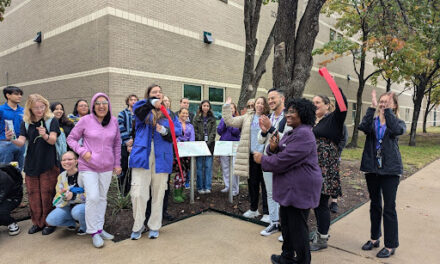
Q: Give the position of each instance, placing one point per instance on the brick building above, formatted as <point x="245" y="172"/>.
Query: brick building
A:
<point x="121" y="47"/>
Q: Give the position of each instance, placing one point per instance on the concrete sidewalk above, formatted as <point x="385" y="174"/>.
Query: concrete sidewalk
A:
<point x="215" y="238"/>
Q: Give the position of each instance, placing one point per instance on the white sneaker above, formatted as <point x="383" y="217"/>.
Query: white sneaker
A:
<point x="251" y="214"/>
<point x="266" y="219"/>
<point x="106" y="235"/>
<point x="138" y="234"/>
<point x="207" y="191"/>
<point x="226" y="189"/>
<point x="97" y="241"/>
<point x="14" y="229"/>
<point x="271" y="229"/>
<point x="280" y="238"/>
<point x="201" y="191"/>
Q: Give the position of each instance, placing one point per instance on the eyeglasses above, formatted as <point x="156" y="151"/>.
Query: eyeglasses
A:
<point x="101" y="103"/>
<point x="250" y="106"/>
<point x="41" y="107"/>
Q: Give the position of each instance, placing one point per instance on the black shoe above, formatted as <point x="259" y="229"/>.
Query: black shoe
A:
<point x="334" y="207"/>
<point x="48" y="230"/>
<point x="278" y="259"/>
<point x="369" y="245"/>
<point x="385" y="253"/>
<point x="34" y="229"/>
<point x="168" y="217"/>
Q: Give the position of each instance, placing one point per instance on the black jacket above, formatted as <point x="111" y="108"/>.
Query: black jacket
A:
<point x="11" y="183"/>
<point x="391" y="159"/>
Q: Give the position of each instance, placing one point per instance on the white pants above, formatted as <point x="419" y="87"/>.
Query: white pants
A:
<point x="96" y="186"/>
<point x="141" y="180"/>
<point x="224" y="161"/>
<point x="274" y="207"/>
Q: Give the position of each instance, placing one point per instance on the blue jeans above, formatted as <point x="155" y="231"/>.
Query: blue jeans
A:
<point x="10" y="152"/>
<point x="204" y="172"/>
<point x="66" y="216"/>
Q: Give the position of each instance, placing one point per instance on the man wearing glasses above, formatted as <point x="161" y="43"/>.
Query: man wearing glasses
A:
<point x="11" y="116"/>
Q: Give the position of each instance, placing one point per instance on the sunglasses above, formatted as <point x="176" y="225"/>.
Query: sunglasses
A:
<point x="250" y="106"/>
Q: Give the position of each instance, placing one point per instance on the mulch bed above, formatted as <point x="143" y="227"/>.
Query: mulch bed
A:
<point x="120" y="223"/>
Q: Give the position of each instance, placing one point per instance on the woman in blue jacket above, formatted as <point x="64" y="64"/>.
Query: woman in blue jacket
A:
<point x="151" y="160"/>
<point x="382" y="164"/>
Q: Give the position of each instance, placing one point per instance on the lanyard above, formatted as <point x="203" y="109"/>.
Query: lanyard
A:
<point x="274" y="120"/>
<point x="380" y="135"/>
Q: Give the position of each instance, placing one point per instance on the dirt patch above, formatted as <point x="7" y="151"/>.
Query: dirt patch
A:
<point x="119" y="220"/>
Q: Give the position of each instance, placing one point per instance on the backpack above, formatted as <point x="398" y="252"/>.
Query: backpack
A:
<point x="60" y="144"/>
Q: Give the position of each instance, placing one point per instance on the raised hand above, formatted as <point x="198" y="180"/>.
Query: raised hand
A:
<point x="228" y="100"/>
<point x="373" y="99"/>
<point x="264" y="123"/>
<point x="390" y="101"/>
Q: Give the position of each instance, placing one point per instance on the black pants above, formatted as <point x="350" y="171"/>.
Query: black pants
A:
<point x="165" y="203"/>
<point x="295" y="234"/>
<point x="6" y="208"/>
<point x="322" y="213"/>
<point x="255" y="180"/>
<point x="385" y="185"/>
<point x="124" y="165"/>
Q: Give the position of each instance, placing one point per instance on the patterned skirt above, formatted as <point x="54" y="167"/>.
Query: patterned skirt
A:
<point x="179" y="181"/>
<point x="328" y="158"/>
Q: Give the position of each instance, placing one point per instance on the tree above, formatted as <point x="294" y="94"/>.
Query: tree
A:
<point x="357" y="18"/>
<point x="423" y="29"/>
<point x="251" y="74"/>
<point x="3" y="5"/>
<point x="294" y="44"/>
<point x="432" y="99"/>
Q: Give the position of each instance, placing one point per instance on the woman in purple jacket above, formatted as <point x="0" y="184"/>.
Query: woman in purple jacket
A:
<point x="99" y="157"/>
<point x="187" y="135"/>
<point x="228" y="133"/>
<point x="297" y="179"/>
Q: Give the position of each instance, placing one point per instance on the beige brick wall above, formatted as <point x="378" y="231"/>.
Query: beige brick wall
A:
<point x="80" y="49"/>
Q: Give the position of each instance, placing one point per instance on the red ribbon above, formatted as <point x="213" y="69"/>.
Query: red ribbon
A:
<point x="338" y="96"/>
<point x="173" y="135"/>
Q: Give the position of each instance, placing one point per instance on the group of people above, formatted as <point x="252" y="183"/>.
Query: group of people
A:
<point x="290" y="150"/>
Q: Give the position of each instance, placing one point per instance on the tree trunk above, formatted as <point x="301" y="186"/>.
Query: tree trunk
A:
<point x="427" y="110"/>
<point x="293" y="50"/>
<point x="252" y="76"/>
<point x="388" y="84"/>
<point x="357" y="118"/>
<point x="418" y="98"/>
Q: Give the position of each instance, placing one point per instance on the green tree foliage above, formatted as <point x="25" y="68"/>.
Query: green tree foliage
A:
<point x="3" y="5"/>
<point x="357" y="19"/>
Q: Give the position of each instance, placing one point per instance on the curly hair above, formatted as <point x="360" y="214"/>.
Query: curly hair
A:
<point x="305" y="108"/>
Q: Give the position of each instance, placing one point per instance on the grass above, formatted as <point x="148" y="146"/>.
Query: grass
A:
<point x="426" y="150"/>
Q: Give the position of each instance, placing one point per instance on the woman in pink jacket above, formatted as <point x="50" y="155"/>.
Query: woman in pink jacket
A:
<point x="99" y="157"/>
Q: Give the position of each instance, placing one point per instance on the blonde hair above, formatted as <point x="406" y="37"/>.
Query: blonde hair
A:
<point x="32" y="99"/>
<point x="395" y="100"/>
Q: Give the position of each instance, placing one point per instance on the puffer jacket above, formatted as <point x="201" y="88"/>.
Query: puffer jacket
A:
<point x="241" y="166"/>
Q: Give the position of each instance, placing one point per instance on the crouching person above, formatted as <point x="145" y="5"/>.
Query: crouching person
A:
<point x="11" y="193"/>
<point x="70" y="197"/>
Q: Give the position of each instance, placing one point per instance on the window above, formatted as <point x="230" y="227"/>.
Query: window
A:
<point x="194" y="94"/>
<point x="332" y="34"/>
<point x="217" y="98"/>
